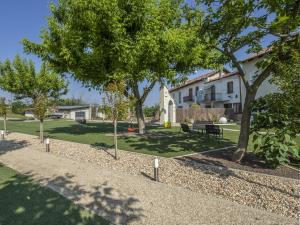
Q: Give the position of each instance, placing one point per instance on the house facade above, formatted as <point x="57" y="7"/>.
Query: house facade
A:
<point x="73" y="112"/>
<point x="250" y="69"/>
<point x="212" y="90"/>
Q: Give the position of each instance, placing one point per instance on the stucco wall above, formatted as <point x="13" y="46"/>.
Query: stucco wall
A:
<point x="265" y="88"/>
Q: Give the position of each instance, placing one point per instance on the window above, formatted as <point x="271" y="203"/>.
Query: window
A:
<point x="230" y="87"/>
<point x="179" y="97"/>
<point x="228" y="106"/>
<point x="80" y="114"/>
<point x="191" y="92"/>
<point x="197" y="90"/>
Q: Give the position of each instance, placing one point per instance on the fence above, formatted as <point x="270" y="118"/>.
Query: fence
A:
<point x="202" y="114"/>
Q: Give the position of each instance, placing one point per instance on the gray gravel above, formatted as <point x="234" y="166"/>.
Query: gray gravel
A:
<point x="273" y="194"/>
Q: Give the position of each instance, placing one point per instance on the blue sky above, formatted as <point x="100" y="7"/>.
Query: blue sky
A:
<point x="24" y="19"/>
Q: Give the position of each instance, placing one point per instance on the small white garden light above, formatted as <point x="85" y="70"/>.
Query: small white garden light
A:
<point x="2" y="134"/>
<point x="47" y="141"/>
<point x="155" y="165"/>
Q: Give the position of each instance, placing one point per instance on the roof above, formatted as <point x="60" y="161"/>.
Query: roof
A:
<point x="202" y="77"/>
<point x="225" y="76"/>
<point x="72" y="107"/>
<point x="256" y="55"/>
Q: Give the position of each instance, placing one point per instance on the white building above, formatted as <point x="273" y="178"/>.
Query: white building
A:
<point x="72" y="112"/>
<point x="211" y="90"/>
<point x="250" y="69"/>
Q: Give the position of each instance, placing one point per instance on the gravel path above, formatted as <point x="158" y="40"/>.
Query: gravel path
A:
<point x="273" y="194"/>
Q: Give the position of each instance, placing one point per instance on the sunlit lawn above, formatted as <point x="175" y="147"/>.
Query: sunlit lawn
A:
<point x="25" y="202"/>
<point x="159" y="141"/>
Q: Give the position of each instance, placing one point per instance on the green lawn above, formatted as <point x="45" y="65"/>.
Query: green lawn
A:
<point x="25" y="202"/>
<point x="159" y="141"/>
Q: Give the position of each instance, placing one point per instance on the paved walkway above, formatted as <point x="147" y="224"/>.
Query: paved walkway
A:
<point x="128" y="199"/>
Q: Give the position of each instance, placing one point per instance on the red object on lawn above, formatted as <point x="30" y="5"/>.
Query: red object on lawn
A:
<point x="130" y="129"/>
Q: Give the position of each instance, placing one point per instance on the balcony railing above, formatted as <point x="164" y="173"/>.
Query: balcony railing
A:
<point x="210" y="97"/>
<point x="188" y="98"/>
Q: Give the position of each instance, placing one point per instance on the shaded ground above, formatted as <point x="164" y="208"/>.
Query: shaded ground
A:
<point x="128" y="199"/>
<point x="158" y="141"/>
<point x="24" y="202"/>
<point x="250" y="162"/>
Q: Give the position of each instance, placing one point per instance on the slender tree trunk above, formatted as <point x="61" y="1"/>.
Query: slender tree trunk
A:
<point x="4" y="124"/>
<point x="140" y="117"/>
<point x="245" y="126"/>
<point x="41" y="131"/>
<point x="116" y="138"/>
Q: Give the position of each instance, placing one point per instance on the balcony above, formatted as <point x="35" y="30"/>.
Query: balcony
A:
<point x="188" y="98"/>
<point x="211" y="97"/>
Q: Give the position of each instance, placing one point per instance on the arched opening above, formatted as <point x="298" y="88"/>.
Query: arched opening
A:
<point x="171" y="111"/>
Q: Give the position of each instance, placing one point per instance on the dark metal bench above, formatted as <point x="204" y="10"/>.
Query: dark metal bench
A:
<point x="186" y="129"/>
<point x="201" y="125"/>
<point x="214" y="130"/>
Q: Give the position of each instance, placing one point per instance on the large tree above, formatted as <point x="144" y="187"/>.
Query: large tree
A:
<point x="21" y="78"/>
<point x="238" y="25"/>
<point x="143" y="42"/>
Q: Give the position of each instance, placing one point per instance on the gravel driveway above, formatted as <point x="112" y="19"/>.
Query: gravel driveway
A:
<point x="273" y="194"/>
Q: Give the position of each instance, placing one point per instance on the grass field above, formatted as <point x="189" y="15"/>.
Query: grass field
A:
<point x="159" y="141"/>
<point x="25" y="202"/>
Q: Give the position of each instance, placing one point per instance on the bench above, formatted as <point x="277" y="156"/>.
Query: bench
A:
<point x="201" y="125"/>
<point x="214" y="130"/>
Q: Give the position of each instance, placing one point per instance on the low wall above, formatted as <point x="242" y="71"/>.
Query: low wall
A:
<point x="202" y="114"/>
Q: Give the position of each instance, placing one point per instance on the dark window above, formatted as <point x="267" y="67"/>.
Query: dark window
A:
<point x="230" y="87"/>
<point x="228" y="106"/>
<point x="179" y="97"/>
<point x="191" y="92"/>
<point x="80" y="114"/>
<point x="197" y="90"/>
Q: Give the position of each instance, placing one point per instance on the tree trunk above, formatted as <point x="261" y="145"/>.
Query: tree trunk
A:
<point x="245" y="126"/>
<point x="140" y="117"/>
<point x="115" y="138"/>
<point x="4" y="124"/>
<point x="41" y="131"/>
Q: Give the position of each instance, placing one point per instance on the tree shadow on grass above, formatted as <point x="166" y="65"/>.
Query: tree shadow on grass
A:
<point x="25" y="202"/>
<point x="164" y="142"/>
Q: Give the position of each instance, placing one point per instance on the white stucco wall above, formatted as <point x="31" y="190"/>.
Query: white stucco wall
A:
<point x="265" y="88"/>
<point x="165" y="99"/>
<point x="87" y="113"/>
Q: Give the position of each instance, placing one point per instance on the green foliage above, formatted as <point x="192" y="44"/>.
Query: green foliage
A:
<point x="279" y="113"/>
<point x="41" y="105"/>
<point x="151" y="111"/>
<point x="3" y="107"/>
<point x="18" y="107"/>
<point x="69" y="101"/>
<point x="276" y="148"/>
<point x="21" y="78"/>
<point x="115" y="104"/>
<point x="195" y="106"/>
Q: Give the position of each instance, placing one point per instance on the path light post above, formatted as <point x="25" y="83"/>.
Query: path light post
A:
<point x="47" y="141"/>
<point x="2" y="134"/>
<point x="155" y="165"/>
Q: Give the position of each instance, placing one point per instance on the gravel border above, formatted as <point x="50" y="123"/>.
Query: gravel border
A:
<point x="272" y="194"/>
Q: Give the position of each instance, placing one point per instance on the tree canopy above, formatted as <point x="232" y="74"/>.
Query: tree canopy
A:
<point x="21" y="78"/>
<point x="140" y="41"/>
<point x="238" y="25"/>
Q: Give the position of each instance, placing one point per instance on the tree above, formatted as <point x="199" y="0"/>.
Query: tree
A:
<point x="21" y="78"/>
<point x="276" y="116"/>
<point x="18" y="107"/>
<point x="3" y="113"/>
<point x="232" y="26"/>
<point x="115" y="106"/>
<point x="41" y="106"/>
<point x="141" y="41"/>
<point x="151" y="111"/>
